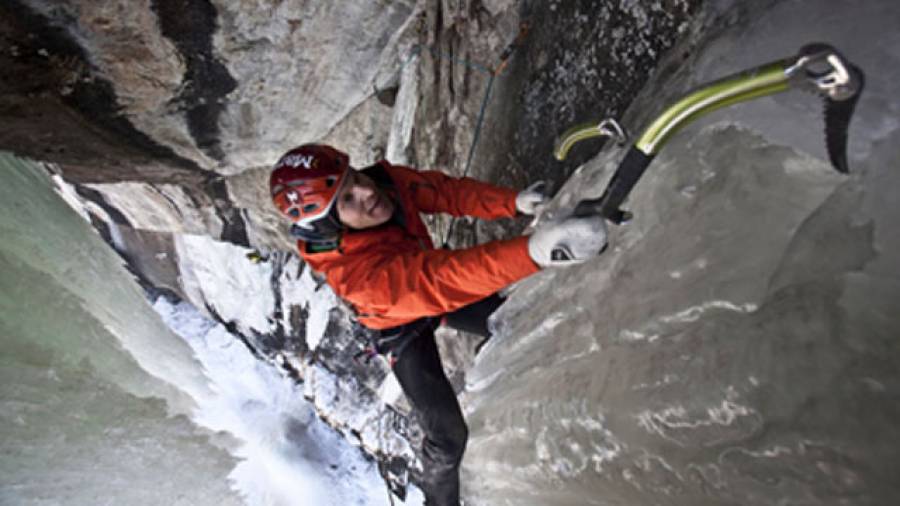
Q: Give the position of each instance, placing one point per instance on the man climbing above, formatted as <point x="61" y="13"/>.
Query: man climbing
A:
<point x="362" y="230"/>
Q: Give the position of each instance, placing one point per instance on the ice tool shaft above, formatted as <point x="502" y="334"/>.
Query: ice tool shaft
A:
<point x="818" y="68"/>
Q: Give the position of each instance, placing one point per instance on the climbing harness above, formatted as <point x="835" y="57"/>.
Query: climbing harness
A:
<point x="817" y="68"/>
<point x="390" y="343"/>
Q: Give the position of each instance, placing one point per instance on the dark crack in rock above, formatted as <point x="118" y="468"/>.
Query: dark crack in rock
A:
<point x="57" y="108"/>
<point x="190" y="25"/>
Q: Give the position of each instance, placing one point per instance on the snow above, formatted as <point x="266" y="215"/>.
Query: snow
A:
<point x="391" y="391"/>
<point x="221" y="275"/>
<point x="304" y="291"/>
<point x="240" y="290"/>
<point x="288" y="456"/>
<point x="212" y="273"/>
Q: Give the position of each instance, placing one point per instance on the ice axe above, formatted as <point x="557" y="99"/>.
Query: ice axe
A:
<point x="818" y="68"/>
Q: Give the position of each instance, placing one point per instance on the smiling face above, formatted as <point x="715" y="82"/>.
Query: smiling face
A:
<point x="361" y="203"/>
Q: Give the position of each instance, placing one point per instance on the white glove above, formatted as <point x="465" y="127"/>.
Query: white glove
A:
<point x="530" y="200"/>
<point x="568" y="242"/>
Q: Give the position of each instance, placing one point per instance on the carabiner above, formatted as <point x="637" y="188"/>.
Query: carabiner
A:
<point x="820" y="68"/>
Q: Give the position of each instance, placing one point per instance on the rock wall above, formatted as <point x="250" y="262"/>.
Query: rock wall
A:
<point x="218" y="86"/>
<point x="185" y="93"/>
<point x="166" y="116"/>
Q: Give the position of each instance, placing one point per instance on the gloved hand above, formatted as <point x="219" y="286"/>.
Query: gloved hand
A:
<point x="567" y="242"/>
<point x="530" y="200"/>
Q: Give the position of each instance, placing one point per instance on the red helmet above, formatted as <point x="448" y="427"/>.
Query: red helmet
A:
<point x="305" y="182"/>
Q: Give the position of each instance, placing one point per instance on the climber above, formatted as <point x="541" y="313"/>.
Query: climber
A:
<point x="361" y="229"/>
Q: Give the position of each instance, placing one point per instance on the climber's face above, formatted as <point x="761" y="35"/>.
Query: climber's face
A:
<point x="363" y="204"/>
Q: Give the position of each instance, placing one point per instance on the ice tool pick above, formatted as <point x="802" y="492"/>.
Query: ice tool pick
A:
<point x="817" y="68"/>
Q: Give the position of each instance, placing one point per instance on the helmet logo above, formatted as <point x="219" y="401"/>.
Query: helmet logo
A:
<point x="305" y="161"/>
<point x="292" y="197"/>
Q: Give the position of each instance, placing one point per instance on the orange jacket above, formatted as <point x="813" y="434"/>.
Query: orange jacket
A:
<point x="393" y="274"/>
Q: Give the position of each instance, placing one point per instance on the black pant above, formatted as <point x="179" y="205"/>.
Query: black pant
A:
<point x="418" y="370"/>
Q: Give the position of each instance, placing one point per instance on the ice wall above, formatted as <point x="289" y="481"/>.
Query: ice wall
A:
<point x="738" y="342"/>
<point x="90" y="377"/>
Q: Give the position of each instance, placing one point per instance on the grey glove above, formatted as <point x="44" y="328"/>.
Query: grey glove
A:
<point x="567" y="242"/>
<point x="530" y="200"/>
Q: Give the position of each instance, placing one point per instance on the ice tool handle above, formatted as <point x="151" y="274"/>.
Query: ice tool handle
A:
<point x="818" y="68"/>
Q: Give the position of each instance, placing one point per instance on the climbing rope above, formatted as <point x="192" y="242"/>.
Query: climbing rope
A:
<point x="497" y="70"/>
<point x="493" y="73"/>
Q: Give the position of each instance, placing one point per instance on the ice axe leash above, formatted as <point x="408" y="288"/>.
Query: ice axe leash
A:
<point x="817" y="68"/>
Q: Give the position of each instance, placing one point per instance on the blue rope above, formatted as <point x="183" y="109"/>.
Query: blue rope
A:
<point x="484" y="102"/>
<point x="494" y="72"/>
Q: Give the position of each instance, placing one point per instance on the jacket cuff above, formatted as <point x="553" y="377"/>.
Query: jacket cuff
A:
<point x="519" y="258"/>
